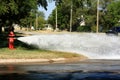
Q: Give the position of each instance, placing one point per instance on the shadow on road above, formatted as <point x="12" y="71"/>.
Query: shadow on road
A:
<point x="4" y="41"/>
<point x="61" y="76"/>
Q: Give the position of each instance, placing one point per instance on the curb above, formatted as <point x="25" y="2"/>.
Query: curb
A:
<point x="38" y="61"/>
<point x="9" y="61"/>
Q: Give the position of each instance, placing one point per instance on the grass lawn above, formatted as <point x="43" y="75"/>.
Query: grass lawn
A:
<point x="22" y="53"/>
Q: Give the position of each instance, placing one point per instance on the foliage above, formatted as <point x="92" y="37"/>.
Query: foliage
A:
<point x="64" y="14"/>
<point x="11" y="11"/>
<point x="93" y="28"/>
<point x="83" y="29"/>
<point x="113" y="13"/>
<point x="51" y="19"/>
<point x="109" y="14"/>
<point x="30" y="20"/>
<point x="41" y="22"/>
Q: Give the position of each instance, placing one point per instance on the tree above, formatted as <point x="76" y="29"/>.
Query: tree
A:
<point x="108" y="14"/>
<point x="113" y="14"/>
<point x="64" y="13"/>
<point x="63" y="16"/>
<point x="30" y="20"/>
<point x="41" y="22"/>
<point x="11" y="11"/>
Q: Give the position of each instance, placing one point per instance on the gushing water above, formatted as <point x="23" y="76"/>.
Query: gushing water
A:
<point x="94" y="46"/>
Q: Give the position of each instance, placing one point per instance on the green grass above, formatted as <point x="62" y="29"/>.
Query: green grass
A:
<point x="22" y="53"/>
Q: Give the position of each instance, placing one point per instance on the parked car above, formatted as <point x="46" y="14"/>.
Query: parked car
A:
<point x="113" y="31"/>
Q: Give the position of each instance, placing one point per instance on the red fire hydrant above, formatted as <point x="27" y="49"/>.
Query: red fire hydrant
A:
<point x="11" y="40"/>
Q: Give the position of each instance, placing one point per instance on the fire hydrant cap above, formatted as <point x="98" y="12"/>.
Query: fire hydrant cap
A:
<point x="11" y="34"/>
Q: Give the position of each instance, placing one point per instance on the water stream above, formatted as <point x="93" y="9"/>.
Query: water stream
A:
<point x="94" y="46"/>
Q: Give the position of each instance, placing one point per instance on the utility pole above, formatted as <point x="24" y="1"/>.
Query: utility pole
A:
<point x="71" y="10"/>
<point x="56" y="20"/>
<point x="56" y="3"/>
<point x="97" y="27"/>
<point x="36" y="21"/>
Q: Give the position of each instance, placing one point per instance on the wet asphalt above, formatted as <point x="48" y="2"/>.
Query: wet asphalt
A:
<point x="82" y="70"/>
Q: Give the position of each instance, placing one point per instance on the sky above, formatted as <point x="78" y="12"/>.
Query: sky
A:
<point x="51" y="6"/>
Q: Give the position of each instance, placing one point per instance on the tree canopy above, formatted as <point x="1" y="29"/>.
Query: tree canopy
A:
<point x="30" y="20"/>
<point x="109" y="14"/>
<point x="11" y="11"/>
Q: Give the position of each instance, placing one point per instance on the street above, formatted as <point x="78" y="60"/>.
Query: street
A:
<point x="87" y="70"/>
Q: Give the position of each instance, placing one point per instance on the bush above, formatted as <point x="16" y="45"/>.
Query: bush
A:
<point x="93" y="28"/>
<point x="84" y="29"/>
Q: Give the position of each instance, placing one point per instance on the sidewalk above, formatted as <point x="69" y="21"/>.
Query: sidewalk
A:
<point x="38" y="61"/>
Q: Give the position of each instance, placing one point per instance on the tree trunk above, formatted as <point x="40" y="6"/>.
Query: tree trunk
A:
<point x="0" y="29"/>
